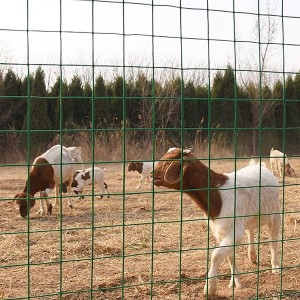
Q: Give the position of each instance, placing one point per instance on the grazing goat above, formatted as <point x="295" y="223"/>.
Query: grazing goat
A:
<point x="144" y="168"/>
<point x="280" y="163"/>
<point x="233" y="203"/>
<point x="48" y="171"/>
<point x="84" y="177"/>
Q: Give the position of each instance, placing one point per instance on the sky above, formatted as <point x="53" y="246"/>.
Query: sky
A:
<point x="43" y="43"/>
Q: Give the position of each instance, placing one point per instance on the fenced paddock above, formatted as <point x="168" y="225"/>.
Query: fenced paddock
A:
<point x="148" y="243"/>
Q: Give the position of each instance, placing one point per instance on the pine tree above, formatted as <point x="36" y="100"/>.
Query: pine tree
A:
<point x="81" y="105"/>
<point x="223" y="106"/>
<point x="12" y="108"/>
<point x="297" y="87"/>
<point x="191" y="113"/>
<point x="131" y="109"/>
<point x="297" y="91"/>
<point x="36" y="117"/>
<point x="101" y="108"/>
<point x="292" y="115"/>
<point x="277" y="94"/>
<point x="87" y="94"/>
<point x="202" y="95"/>
<point x="1" y="82"/>
<point x="116" y="93"/>
<point x="59" y="98"/>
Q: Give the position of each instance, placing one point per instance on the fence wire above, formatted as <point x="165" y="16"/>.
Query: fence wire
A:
<point x="126" y="81"/>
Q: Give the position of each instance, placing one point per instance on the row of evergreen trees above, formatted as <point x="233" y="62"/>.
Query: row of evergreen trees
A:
<point x="246" y="114"/>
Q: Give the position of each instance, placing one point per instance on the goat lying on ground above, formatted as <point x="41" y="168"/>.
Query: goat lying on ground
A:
<point x="234" y="203"/>
<point x="144" y="168"/>
<point x="280" y="163"/>
<point x="48" y="171"/>
<point x="84" y="177"/>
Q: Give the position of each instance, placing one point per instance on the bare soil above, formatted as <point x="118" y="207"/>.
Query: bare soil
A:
<point x="134" y="245"/>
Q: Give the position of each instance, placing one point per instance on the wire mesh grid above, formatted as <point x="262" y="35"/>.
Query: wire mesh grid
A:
<point x="124" y="81"/>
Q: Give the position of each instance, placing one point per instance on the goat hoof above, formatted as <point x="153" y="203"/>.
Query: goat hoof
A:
<point x="50" y="209"/>
<point x="276" y="269"/>
<point x="211" y="293"/>
<point x="71" y="206"/>
<point x="236" y="283"/>
<point x="253" y="257"/>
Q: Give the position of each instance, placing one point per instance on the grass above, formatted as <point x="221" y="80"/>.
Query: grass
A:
<point x="141" y="247"/>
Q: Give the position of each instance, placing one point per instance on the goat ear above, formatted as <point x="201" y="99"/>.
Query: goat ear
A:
<point x="172" y="174"/>
<point x="293" y="172"/>
<point x="16" y="196"/>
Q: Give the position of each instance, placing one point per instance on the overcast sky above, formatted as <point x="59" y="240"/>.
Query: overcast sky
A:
<point x="76" y="19"/>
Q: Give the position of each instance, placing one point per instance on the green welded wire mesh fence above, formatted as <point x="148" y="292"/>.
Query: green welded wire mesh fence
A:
<point x="124" y="81"/>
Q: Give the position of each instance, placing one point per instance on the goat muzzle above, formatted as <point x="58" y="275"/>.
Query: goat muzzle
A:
<point x="158" y="181"/>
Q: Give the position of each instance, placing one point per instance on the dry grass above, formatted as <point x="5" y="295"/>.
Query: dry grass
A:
<point x="135" y="242"/>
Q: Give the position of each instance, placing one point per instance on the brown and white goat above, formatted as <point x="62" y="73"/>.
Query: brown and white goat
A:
<point x="233" y="203"/>
<point x="144" y="169"/>
<point x="86" y="177"/>
<point x="48" y="171"/>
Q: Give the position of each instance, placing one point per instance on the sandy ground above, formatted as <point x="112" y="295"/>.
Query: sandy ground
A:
<point x="144" y="245"/>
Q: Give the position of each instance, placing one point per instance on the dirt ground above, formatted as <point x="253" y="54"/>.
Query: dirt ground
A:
<point x="138" y="245"/>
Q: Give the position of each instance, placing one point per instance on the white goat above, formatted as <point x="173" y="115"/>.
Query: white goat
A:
<point x="84" y="177"/>
<point x="280" y="163"/>
<point x="144" y="168"/>
<point x="75" y="153"/>
<point x="253" y="162"/>
<point x="234" y="203"/>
